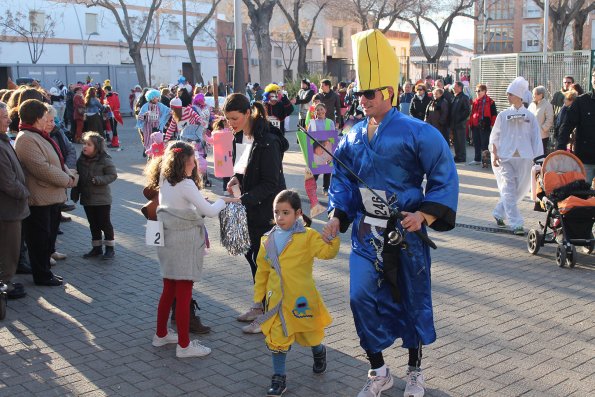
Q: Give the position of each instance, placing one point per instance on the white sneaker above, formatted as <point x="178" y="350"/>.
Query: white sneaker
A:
<point x="171" y="337"/>
<point x="59" y="256"/>
<point x="250" y="315"/>
<point x="375" y="385"/>
<point x="53" y="262"/>
<point x="194" y="349"/>
<point x="474" y="162"/>
<point x="415" y="383"/>
<point x="252" y="328"/>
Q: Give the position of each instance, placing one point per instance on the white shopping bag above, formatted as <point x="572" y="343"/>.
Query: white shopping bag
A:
<point x="154" y="234"/>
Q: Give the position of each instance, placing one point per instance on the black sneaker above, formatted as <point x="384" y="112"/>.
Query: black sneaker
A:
<point x="278" y="386"/>
<point x="319" y="361"/>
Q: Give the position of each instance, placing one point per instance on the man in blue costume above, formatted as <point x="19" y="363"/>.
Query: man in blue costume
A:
<point x="390" y="295"/>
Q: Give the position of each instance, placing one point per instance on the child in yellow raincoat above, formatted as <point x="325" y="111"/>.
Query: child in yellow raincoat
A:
<point x="294" y="310"/>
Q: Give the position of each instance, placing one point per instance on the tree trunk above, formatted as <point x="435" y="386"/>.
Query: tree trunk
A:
<point x="558" y="33"/>
<point x="577" y="30"/>
<point x="135" y="54"/>
<point x="196" y="72"/>
<point x="302" y="66"/>
<point x="264" y="54"/>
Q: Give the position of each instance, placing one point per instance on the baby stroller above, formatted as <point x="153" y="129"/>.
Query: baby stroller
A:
<point x="569" y="203"/>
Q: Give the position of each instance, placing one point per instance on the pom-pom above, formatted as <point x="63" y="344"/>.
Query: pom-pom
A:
<point x="234" y="229"/>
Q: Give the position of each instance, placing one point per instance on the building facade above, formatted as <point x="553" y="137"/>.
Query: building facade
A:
<point x="91" y="36"/>
<point x="517" y="26"/>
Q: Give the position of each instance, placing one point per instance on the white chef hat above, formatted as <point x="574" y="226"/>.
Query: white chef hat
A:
<point x="519" y="87"/>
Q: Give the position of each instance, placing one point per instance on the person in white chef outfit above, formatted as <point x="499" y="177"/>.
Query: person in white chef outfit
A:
<point x="514" y="142"/>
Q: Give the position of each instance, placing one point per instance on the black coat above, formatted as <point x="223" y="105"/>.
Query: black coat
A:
<point x="437" y="114"/>
<point x="580" y="115"/>
<point x="263" y="178"/>
<point x="460" y="110"/>
<point x="419" y="106"/>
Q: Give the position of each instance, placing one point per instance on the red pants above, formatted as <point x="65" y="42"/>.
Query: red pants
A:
<point x="79" y="130"/>
<point x="181" y="291"/>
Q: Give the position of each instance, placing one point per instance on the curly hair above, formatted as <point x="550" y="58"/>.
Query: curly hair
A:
<point x="172" y="166"/>
<point x="91" y="93"/>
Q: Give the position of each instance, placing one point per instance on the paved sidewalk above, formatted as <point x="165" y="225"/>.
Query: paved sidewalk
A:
<point x="508" y="323"/>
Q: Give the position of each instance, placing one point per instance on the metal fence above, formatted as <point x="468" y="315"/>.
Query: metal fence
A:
<point x="497" y="71"/>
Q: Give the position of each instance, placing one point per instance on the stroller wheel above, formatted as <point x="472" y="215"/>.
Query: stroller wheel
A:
<point x="533" y="241"/>
<point x="2" y="305"/>
<point x="571" y="257"/>
<point x="561" y="255"/>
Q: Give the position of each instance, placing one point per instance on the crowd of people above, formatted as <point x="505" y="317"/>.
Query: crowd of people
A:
<point x="391" y="140"/>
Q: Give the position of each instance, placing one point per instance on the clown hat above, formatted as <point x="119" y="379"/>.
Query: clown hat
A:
<point x="272" y="88"/>
<point x="376" y="62"/>
<point x="175" y="103"/>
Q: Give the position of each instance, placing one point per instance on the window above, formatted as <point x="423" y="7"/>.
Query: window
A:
<point x="308" y="53"/>
<point x="404" y="52"/>
<point x="532" y="38"/>
<point x="90" y="23"/>
<point x="277" y="53"/>
<point x="338" y="36"/>
<point x="531" y="10"/>
<point x="229" y="43"/>
<point x="499" y="38"/>
<point x="37" y="21"/>
<point x="593" y="33"/>
<point x="173" y="28"/>
<point x="498" y="9"/>
<point x="229" y="74"/>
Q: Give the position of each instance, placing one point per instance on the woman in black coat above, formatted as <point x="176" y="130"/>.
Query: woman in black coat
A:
<point x="258" y="169"/>
<point x="437" y="112"/>
<point x="420" y="102"/>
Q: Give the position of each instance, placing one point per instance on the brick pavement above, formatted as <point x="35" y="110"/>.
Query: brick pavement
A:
<point x="508" y="323"/>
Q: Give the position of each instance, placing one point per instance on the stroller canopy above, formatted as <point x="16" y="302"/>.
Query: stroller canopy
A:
<point x="561" y="168"/>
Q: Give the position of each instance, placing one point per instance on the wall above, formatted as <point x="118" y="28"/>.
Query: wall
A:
<point x="108" y="46"/>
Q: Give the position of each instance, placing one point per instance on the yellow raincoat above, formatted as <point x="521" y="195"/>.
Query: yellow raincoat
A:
<point x="302" y="315"/>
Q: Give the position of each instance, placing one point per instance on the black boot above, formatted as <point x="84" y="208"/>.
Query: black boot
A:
<point x="196" y="326"/>
<point x="319" y="361"/>
<point x="278" y="386"/>
<point x="109" y="253"/>
<point x="95" y="251"/>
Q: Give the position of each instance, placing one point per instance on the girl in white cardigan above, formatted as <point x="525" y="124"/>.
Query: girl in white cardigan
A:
<point x="182" y="208"/>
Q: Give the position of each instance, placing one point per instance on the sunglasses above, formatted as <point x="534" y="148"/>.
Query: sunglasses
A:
<point x="568" y="82"/>
<point x="478" y="91"/>
<point x="369" y="94"/>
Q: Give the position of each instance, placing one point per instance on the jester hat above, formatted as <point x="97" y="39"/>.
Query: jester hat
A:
<point x="376" y="62"/>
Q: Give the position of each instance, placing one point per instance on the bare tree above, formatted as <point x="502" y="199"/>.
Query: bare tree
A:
<point x="135" y="41"/>
<point x="151" y="42"/>
<point x="35" y="28"/>
<point x="430" y="13"/>
<point x="284" y="40"/>
<point x="562" y="13"/>
<point x="191" y="29"/>
<point x="260" y="13"/>
<point x="369" y="13"/>
<point x="302" y="30"/>
<point x="224" y="47"/>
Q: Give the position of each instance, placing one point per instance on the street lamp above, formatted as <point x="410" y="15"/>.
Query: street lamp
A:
<point x="86" y="44"/>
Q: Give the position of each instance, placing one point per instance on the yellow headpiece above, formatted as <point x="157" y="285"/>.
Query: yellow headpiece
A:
<point x="107" y="83"/>
<point x="272" y="88"/>
<point x="376" y="62"/>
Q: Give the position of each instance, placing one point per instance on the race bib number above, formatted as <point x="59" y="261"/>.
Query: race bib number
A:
<point x="154" y="234"/>
<point x="274" y="121"/>
<point x="377" y="211"/>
